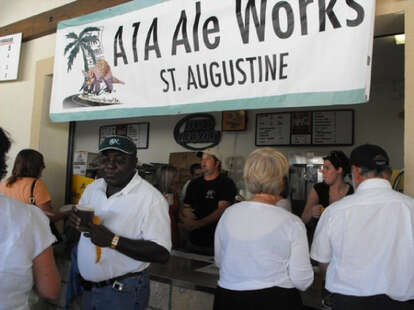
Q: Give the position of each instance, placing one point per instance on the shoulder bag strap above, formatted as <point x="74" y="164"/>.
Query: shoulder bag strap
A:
<point x="32" y="198"/>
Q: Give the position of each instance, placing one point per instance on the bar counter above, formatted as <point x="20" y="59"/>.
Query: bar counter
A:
<point x="180" y="284"/>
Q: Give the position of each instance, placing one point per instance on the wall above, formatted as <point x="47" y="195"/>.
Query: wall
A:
<point x="13" y="11"/>
<point x="377" y="122"/>
<point x="22" y="115"/>
<point x="407" y="7"/>
<point x="17" y="97"/>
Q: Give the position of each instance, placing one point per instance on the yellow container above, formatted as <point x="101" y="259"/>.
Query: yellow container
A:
<point x="395" y="174"/>
<point x="79" y="183"/>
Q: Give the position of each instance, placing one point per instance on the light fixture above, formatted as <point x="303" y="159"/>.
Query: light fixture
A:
<point x="399" y="39"/>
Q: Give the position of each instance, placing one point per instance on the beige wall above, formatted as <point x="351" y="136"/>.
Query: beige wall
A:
<point x="17" y="98"/>
<point x="25" y="108"/>
<point x="14" y="10"/>
<point x="406" y="6"/>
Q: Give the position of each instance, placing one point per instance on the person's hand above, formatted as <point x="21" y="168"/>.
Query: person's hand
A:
<point x="317" y="211"/>
<point x="190" y="224"/>
<point x="100" y="235"/>
<point x="75" y="221"/>
<point x="187" y="212"/>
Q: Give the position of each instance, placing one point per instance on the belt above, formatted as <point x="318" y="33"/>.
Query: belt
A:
<point x="114" y="282"/>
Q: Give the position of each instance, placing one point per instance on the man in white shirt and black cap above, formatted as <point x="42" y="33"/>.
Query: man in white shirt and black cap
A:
<point x="113" y="257"/>
<point x="365" y="240"/>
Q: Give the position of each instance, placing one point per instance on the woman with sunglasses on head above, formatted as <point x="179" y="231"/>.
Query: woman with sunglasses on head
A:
<point x="333" y="188"/>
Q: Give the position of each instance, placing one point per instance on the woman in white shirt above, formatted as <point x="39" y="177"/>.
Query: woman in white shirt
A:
<point x="262" y="250"/>
<point x="26" y="254"/>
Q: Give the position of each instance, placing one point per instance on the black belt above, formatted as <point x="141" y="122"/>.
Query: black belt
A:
<point x="114" y="282"/>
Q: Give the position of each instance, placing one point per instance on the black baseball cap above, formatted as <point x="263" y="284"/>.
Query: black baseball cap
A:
<point x="123" y="144"/>
<point x="369" y="156"/>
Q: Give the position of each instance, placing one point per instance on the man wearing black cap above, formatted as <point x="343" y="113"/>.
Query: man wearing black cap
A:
<point x="134" y="231"/>
<point x="366" y="242"/>
<point x="208" y="197"/>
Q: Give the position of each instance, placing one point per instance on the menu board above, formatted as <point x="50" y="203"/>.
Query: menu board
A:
<point x="334" y="127"/>
<point x="10" y="56"/>
<point x="138" y="132"/>
<point x="273" y="129"/>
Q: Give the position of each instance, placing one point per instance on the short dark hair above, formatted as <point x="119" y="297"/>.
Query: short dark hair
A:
<point x="5" y="144"/>
<point x="28" y="163"/>
<point x="339" y="159"/>
<point x="194" y="167"/>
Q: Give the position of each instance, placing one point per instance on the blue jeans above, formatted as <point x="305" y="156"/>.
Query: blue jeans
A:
<point x="133" y="296"/>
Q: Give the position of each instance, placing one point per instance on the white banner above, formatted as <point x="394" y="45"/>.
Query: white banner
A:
<point x="184" y="56"/>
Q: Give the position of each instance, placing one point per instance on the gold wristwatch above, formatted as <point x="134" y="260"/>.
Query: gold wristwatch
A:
<point x="114" y="242"/>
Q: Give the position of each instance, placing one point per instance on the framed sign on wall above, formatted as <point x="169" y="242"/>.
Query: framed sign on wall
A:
<point x="234" y="120"/>
<point x="305" y="128"/>
<point x="138" y="132"/>
<point x="10" y="56"/>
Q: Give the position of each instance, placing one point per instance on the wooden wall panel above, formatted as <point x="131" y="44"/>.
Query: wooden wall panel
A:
<point x="46" y="22"/>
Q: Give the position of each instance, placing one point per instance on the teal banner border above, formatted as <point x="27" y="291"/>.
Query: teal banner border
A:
<point x="284" y="101"/>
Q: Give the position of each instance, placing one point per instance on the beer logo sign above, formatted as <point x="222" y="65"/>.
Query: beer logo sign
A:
<point x="197" y="129"/>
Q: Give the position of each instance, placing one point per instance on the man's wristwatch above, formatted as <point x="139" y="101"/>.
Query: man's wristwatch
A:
<point x="114" y="242"/>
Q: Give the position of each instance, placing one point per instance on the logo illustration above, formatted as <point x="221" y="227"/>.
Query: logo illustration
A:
<point x="113" y="141"/>
<point x="97" y="81"/>
<point x="210" y="194"/>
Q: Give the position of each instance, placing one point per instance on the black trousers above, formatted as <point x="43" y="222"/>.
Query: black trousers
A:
<point x="376" y="302"/>
<point x="273" y="298"/>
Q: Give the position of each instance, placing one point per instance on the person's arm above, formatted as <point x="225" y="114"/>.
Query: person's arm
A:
<point x="323" y="267"/>
<point x="44" y="202"/>
<point x="52" y="215"/>
<point x="299" y="266"/>
<point x="143" y="250"/>
<point x="312" y="207"/>
<point x="46" y="275"/>
<point x="46" y="207"/>
<point x="191" y="224"/>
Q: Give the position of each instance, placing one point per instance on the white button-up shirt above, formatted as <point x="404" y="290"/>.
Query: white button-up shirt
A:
<point x="368" y="240"/>
<point x="138" y="211"/>
<point x="259" y="246"/>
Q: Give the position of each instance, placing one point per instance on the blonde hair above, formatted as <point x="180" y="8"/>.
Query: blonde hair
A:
<point x="264" y="171"/>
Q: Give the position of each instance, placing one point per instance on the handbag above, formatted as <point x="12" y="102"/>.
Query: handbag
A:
<point x="52" y="225"/>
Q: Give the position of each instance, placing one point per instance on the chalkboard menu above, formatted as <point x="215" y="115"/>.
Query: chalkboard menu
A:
<point x="334" y="127"/>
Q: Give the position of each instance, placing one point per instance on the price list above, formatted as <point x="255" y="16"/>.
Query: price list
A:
<point x="9" y="56"/>
<point x="273" y="129"/>
<point x="332" y="127"/>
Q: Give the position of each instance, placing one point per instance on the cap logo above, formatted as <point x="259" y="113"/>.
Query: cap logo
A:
<point x="113" y="141"/>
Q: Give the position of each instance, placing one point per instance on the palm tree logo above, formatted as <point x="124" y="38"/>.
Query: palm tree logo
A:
<point x="82" y="42"/>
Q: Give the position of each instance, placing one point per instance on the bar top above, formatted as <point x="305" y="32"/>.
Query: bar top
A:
<point x="183" y="270"/>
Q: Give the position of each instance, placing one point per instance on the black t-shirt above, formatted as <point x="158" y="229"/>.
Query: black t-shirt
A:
<point x="322" y="189"/>
<point x="203" y="196"/>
